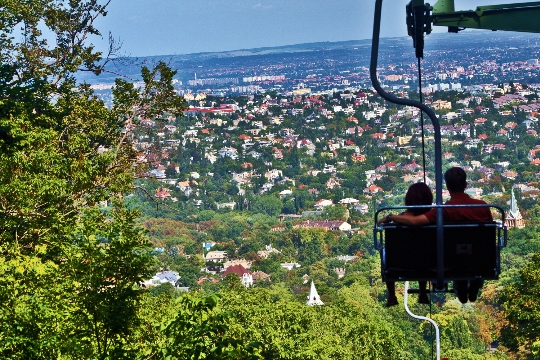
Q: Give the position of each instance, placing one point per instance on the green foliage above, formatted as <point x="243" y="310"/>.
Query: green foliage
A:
<point x="287" y="329"/>
<point x="166" y="289"/>
<point x="156" y="97"/>
<point x="34" y="58"/>
<point x="70" y="268"/>
<point x="32" y="319"/>
<point x="198" y="331"/>
<point x="168" y="233"/>
<point x="335" y="213"/>
<point x="520" y="303"/>
<point x="267" y="204"/>
<point x="524" y="241"/>
<point x="270" y="265"/>
<point x="109" y="256"/>
<point x="310" y="244"/>
<point x="73" y="254"/>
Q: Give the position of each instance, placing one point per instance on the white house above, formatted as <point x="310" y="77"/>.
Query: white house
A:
<point x="322" y="203"/>
<point x="285" y="193"/>
<point x="229" y="152"/>
<point x="245" y="275"/>
<point x="216" y="256"/>
<point x="162" y="277"/>
<point x="290" y="266"/>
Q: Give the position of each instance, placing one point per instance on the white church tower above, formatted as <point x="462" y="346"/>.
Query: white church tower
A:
<point x="313" y="297"/>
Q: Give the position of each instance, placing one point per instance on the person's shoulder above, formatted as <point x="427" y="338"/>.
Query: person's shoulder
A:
<point x="458" y="198"/>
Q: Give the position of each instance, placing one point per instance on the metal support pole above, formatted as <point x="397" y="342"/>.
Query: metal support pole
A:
<point x="436" y="128"/>
<point x="437" y="336"/>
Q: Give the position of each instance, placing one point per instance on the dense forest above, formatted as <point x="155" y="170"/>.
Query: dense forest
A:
<point x="81" y="230"/>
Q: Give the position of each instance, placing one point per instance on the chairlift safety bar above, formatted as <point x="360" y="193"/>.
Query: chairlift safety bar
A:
<point x="378" y="228"/>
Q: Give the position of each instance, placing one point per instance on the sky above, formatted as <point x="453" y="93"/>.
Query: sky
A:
<point x="171" y="27"/>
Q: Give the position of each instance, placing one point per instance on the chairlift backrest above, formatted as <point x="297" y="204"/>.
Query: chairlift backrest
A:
<point x="471" y="251"/>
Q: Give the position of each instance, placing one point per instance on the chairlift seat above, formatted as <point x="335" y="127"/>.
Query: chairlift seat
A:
<point x="471" y="251"/>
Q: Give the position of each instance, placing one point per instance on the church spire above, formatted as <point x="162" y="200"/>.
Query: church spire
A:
<point x="514" y="218"/>
<point x="514" y="211"/>
<point x="313" y="297"/>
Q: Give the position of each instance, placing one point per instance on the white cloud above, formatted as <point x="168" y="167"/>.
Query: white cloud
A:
<point x="260" y="6"/>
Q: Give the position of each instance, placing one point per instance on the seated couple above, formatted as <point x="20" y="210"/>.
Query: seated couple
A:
<point x="420" y="194"/>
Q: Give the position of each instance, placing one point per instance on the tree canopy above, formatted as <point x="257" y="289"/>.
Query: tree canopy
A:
<point x="72" y="253"/>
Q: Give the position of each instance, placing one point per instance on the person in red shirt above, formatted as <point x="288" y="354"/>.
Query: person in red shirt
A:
<point x="456" y="183"/>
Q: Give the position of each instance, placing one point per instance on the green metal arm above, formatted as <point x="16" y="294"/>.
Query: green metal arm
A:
<point x="522" y="17"/>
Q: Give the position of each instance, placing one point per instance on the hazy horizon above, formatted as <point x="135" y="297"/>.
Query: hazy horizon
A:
<point x="432" y="38"/>
<point x="157" y="28"/>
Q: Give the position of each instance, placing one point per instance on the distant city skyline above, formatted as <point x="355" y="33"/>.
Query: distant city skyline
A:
<point x="165" y="27"/>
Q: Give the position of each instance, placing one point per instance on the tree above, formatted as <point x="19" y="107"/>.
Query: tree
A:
<point x="335" y="213"/>
<point x="198" y="331"/>
<point x="109" y="254"/>
<point x="170" y="172"/>
<point x="188" y="269"/>
<point x="520" y="305"/>
<point x="70" y="265"/>
<point x="353" y="328"/>
<point x="267" y="204"/>
<point x="310" y="244"/>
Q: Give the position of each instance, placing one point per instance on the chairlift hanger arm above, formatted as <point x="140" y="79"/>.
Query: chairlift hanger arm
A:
<point x="417" y="27"/>
<point x="521" y="17"/>
<point x="422" y="16"/>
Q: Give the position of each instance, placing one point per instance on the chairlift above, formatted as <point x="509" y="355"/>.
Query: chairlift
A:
<point x="431" y="252"/>
<point x="443" y="252"/>
<point x="471" y="250"/>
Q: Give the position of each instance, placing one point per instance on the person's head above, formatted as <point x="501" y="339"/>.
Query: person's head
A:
<point x="419" y="194"/>
<point x="456" y="180"/>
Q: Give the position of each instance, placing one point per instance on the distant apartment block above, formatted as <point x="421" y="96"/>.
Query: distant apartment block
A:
<point x="394" y="77"/>
<point x="212" y="81"/>
<point x="250" y="79"/>
<point x="249" y="89"/>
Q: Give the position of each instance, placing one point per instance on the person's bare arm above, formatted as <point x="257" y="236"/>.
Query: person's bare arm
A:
<point x="405" y="219"/>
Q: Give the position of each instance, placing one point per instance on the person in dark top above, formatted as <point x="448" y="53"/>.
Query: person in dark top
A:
<point x="456" y="183"/>
<point x="417" y="194"/>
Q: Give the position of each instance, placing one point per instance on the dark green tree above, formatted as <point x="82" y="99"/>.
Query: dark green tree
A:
<point x="267" y="204"/>
<point x="198" y="331"/>
<point x="520" y="305"/>
<point x="70" y="264"/>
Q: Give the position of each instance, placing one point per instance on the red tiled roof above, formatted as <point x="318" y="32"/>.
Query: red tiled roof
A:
<point x="236" y="269"/>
